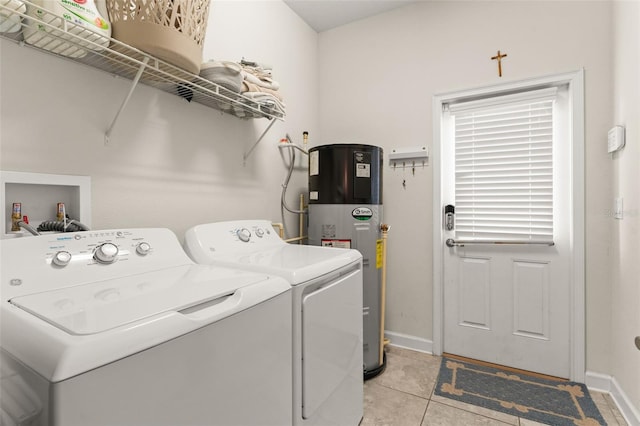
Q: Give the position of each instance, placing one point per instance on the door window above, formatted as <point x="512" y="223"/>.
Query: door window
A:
<point x="504" y="167"/>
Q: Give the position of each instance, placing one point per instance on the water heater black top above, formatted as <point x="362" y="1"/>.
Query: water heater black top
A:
<point x="345" y="174"/>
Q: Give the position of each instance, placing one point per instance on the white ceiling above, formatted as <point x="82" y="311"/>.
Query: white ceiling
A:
<point x="322" y="15"/>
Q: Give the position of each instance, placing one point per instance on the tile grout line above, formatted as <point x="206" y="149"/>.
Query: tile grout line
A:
<point x="486" y="416"/>
<point x="424" y="415"/>
<point x="613" y="410"/>
<point x="429" y="400"/>
<point x="402" y="391"/>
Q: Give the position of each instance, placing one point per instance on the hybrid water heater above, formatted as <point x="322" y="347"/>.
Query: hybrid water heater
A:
<point x="345" y="210"/>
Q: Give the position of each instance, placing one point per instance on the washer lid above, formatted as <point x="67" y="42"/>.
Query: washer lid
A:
<point x="97" y="307"/>
<point x="295" y="263"/>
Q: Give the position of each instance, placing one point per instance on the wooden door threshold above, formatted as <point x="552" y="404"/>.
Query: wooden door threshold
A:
<point x="503" y="367"/>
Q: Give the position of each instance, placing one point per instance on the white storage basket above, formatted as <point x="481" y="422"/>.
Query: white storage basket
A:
<point x="172" y="30"/>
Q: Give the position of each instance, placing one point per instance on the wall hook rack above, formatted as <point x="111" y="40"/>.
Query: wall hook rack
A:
<point x="409" y="157"/>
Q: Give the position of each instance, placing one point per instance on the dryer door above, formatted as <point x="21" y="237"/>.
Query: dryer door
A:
<point x="332" y="372"/>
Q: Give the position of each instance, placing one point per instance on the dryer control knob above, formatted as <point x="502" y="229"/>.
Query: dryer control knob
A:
<point x="106" y="253"/>
<point x="143" y="248"/>
<point x="244" y="234"/>
<point x="259" y="232"/>
<point x="61" y="258"/>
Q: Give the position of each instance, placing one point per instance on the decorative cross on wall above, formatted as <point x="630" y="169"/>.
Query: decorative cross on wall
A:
<point x="499" y="57"/>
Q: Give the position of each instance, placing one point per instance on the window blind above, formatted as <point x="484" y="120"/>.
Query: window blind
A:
<point x="504" y="168"/>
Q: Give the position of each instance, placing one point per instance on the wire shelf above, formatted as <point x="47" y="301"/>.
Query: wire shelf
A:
<point x="67" y="40"/>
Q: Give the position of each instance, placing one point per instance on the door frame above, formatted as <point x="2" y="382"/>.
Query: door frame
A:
<point x="577" y="327"/>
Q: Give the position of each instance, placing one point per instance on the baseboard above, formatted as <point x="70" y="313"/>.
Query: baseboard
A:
<point x="598" y="382"/>
<point x="604" y="383"/>
<point x="409" y="342"/>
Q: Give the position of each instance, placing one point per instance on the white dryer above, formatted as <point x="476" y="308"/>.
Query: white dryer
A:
<point x="120" y="327"/>
<point x="326" y="284"/>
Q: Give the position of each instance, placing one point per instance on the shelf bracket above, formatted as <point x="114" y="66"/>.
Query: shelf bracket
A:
<point x="134" y="83"/>
<point x="247" y="154"/>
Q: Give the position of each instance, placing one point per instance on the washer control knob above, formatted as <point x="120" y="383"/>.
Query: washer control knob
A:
<point x="244" y="234"/>
<point x="106" y="253"/>
<point x="61" y="258"/>
<point x="143" y="248"/>
<point x="259" y="232"/>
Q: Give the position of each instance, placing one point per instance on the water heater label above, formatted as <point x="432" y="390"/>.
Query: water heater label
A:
<point x="337" y="243"/>
<point x="314" y="163"/>
<point x="328" y="231"/>
<point x="363" y="170"/>
<point x="362" y="213"/>
<point x="379" y="247"/>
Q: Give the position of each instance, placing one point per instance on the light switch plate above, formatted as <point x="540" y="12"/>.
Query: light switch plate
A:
<point x="615" y="139"/>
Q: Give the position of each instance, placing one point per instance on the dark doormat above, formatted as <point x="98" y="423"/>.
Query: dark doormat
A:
<point x="554" y="402"/>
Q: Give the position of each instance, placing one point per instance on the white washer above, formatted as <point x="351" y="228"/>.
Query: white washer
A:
<point x="120" y="327"/>
<point x="327" y="312"/>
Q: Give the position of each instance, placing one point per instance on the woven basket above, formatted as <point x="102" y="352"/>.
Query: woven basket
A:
<point x="172" y="30"/>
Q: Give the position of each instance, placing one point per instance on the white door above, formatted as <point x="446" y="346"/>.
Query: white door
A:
<point x="506" y="167"/>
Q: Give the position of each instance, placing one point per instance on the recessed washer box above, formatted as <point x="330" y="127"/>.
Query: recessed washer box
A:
<point x="39" y="194"/>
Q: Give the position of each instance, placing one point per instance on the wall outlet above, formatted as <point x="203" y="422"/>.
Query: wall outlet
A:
<point x="617" y="208"/>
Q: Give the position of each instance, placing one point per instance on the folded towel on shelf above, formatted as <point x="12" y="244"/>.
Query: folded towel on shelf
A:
<point x="255" y="105"/>
<point x="262" y="65"/>
<point x="267" y="82"/>
<point x="260" y="90"/>
<point x="245" y="89"/>
<point x="258" y="71"/>
<point x="258" y="74"/>
<point x="224" y="73"/>
<point x="264" y="101"/>
<point x="250" y="87"/>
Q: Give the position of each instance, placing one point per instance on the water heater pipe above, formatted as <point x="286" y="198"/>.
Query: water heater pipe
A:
<point x="301" y="218"/>
<point x="383" y="288"/>
<point x="301" y="237"/>
<point x="280" y="227"/>
<point x="292" y="160"/>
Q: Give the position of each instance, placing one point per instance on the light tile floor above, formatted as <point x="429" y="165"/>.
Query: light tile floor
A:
<point x="403" y="396"/>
